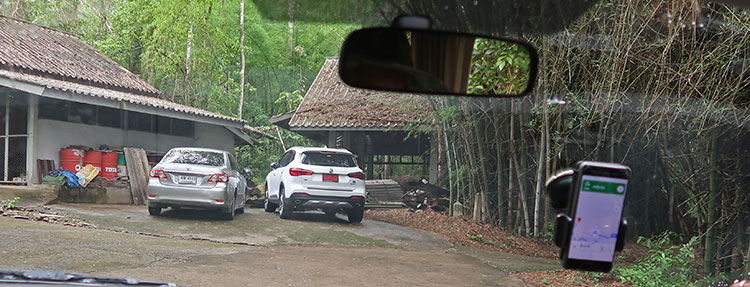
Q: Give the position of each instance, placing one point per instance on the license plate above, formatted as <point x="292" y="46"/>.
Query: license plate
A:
<point x="331" y="177"/>
<point x="186" y="179"/>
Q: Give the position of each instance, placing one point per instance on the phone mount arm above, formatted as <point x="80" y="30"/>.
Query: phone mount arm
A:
<point x="558" y="189"/>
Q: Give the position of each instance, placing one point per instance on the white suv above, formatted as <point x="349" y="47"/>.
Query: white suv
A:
<point x="316" y="178"/>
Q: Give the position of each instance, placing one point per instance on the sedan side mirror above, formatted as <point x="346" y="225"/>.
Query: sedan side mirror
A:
<point x="274" y="165"/>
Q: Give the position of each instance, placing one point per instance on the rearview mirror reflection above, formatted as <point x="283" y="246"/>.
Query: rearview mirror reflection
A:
<point x="436" y="62"/>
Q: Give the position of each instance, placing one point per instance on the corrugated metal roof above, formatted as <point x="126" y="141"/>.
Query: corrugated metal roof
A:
<point x="110" y="94"/>
<point x="332" y="104"/>
<point x="35" y="49"/>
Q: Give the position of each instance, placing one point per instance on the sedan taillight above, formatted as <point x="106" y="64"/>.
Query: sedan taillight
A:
<point x="158" y="173"/>
<point x="218" y="177"/>
<point x="299" y="171"/>
<point x="360" y="175"/>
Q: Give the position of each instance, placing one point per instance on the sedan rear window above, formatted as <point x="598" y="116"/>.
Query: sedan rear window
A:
<point x="194" y="157"/>
<point x="328" y="159"/>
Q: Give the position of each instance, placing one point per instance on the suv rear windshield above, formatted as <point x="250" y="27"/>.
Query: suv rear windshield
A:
<point x="194" y="157"/>
<point x="328" y="159"/>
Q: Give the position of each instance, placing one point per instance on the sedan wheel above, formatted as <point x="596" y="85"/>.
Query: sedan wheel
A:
<point x="230" y="215"/>
<point x="154" y="210"/>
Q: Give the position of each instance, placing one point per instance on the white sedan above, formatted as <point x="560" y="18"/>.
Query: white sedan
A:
<point x="316" y="178"/>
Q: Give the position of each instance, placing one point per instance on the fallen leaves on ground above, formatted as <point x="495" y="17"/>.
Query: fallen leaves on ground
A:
<point x="462" y="230"/>
<point x="570" y="278"/>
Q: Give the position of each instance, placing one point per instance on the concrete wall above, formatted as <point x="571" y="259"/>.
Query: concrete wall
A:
<point x="49" y="136"/>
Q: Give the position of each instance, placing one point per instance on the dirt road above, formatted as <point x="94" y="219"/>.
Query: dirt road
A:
<point x="196" y="248"/>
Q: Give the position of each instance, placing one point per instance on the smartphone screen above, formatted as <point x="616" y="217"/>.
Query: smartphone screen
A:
<point x="597" y="218"/>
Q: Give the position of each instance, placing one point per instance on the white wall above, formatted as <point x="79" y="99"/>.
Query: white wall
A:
<point x="50" y="136"/>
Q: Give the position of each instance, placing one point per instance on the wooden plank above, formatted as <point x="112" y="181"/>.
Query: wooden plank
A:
<point x="380" y="181"/>
<point x="134" y="174"/>
<point x="132" y="180"/>
<point x="129" y="168"/>
<point x="145" y="170"/>
<point x="139" y="176"/>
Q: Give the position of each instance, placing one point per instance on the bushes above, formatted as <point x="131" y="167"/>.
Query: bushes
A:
<point x="9" y="203"/>
<point x="665" y="265"/>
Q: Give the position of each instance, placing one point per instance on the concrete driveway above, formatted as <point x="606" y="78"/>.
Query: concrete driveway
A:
<point x="197" y="248"/>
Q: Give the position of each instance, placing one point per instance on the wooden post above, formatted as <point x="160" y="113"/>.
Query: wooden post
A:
<point x="433" y="167"/>
<point x="370" y="156"/>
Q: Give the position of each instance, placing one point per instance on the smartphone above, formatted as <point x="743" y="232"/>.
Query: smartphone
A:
<point x="596" y="202"/>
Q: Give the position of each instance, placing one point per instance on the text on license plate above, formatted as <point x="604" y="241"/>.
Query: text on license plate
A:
<point x="331" y="177"/>
<point x="186" y="179"/>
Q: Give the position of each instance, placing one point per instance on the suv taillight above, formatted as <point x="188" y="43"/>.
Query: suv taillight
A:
<point x="218" y="177"/>
<point x="360" y="175"/>
<point x="299" y="171"/>
<point x="158" y="173"/>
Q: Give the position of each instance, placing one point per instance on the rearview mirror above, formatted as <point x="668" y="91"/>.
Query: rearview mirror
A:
<point x="437" y="62"/>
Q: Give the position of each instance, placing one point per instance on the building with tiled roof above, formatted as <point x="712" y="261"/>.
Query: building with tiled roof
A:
<point x="56" y="91"/>
<point x="374" y="125"/>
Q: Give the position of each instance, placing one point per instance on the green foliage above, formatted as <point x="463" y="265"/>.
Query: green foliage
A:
<point x="259" y="157"/>
<point x="289" y="100"/>
<point x="499" y="67"/>
<point x="665" y="265"/>
<point x="476" y="237"/>
<point x="9" y="203"/>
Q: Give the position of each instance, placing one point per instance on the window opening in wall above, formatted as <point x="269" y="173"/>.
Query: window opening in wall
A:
<point x="60" y="110"/>
<point x="14" y="112"/>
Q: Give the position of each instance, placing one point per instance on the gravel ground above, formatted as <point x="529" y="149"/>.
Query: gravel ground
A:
<point x="196" y="248"/>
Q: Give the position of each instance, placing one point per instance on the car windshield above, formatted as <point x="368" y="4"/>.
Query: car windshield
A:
<point x="444" y="190"/>
<point x="328" y="159"/>
<point x="194" y="157"/>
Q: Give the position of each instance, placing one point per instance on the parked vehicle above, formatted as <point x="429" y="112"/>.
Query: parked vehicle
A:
<point x="197" y="178"/>
<point x="316" y="178"/>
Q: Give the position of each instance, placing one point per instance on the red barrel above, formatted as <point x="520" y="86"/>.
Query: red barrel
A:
<point x="70" y="159"/>
<point x="109" y="165"/>
<point x="94" y="158"/>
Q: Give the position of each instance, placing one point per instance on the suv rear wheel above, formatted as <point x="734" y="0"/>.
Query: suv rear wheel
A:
<point x="355" y="215"/>
<point x="285" y="211"/>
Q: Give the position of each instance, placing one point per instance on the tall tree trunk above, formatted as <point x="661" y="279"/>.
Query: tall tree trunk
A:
<point x="188" y="52"/>
<point x="510" y="167"/>
<point x="458" y="178"/>
<point x="548" y="171"/>
<point x="499" y="169"/>
<point x="242" y="59"/>
<point x="739" y="223"/>
<point x="482" y="172"/>
<point x="450" y="167"/>
<point x="290" y="33"/>
<point x="514" y="155"/>
<point x="441" y="180"/>
<point x="713" y="200"/>
<point x="539" y="181"/>
<point x="477" y="214"/>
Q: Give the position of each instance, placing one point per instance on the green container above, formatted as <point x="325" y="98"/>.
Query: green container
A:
<point x="120" y="159"/>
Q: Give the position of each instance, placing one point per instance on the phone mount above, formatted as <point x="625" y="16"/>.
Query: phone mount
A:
<point x="558" y="189"/>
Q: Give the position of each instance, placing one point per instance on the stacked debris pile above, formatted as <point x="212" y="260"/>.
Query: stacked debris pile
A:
<point x="44" y="214"/>
<point x="420" y="195"/>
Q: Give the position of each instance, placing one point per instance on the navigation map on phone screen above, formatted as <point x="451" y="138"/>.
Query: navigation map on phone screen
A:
<point x="597" y="219"/>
